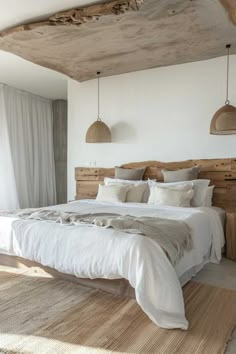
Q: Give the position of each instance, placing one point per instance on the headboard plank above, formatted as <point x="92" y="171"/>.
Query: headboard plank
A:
<point x="221" y="172"/>
<point x="205" y="165"/>
<point x="94" y="174"/>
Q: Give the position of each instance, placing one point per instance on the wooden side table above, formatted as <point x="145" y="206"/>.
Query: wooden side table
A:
<point x="231" y="235"/>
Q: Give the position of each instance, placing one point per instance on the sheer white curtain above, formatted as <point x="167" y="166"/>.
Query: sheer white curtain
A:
<point x="8" y="191"/>
<point x="27" y="172"/>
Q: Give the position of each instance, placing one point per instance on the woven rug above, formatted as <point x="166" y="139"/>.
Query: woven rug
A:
<point x="39" y="314"/>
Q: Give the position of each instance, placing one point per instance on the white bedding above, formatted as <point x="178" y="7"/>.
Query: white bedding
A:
<point x="94" y="252"/>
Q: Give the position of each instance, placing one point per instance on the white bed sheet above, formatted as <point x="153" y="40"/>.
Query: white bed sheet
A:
<point x="93" y="252"/>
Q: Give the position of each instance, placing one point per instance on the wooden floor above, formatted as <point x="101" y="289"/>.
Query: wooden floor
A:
<point x="221" y="275"/>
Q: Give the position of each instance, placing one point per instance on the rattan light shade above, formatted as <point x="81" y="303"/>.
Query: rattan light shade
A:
<point x="224" y="121"/>
<point x="98" y="132"/>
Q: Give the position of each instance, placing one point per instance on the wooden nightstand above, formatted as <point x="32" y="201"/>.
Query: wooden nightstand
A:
<point x="231" y="235"/>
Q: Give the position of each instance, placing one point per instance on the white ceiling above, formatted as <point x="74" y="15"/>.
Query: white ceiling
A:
<point x="22" y="74"/>
<point x="17" y="72"/>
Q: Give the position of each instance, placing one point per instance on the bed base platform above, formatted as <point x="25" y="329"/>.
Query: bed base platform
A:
<point x="119" y="287"/>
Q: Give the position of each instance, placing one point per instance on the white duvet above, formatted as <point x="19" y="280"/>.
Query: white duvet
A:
<point x="94" y="252"/>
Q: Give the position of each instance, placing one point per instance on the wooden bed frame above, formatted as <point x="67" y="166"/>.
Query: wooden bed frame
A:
<point x="221" y="172"/>
<point x="120" y="287"/>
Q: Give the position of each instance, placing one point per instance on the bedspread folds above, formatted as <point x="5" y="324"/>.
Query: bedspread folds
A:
<point x="173" y="236"/>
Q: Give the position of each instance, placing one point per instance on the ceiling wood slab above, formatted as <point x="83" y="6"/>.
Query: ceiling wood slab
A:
<point x="122" y="36"/>
<point x="82" y="15"/>
<point x="230" y="6"/>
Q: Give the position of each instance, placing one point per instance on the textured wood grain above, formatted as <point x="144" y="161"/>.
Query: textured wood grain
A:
<point x="114" y="38"/>
<point x="94" y="12"/>
<point x="81" y="15"/>
<point x="87" y="189"/>
<point x="206" y="165"/>
<point x="221" y="172"/>
<point x="84" y="173"/>
<point x="230" y="6"/>
<point x="231" y="235"/>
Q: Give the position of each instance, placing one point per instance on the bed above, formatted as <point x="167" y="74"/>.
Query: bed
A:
<point x="82" y="251"/>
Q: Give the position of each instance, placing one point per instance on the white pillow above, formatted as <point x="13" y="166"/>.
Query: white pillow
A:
<point x="112" y="193"/>
<point x="115" y="181"/>
<point x="199" y="186"/>
<point x="175" y="185"/>
<point x="172" y="197"/>
<point x="109" y="181"/>
<point x="208" y="197"/>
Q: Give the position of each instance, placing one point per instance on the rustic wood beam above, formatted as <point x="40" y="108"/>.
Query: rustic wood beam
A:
<point x="80" y="16"/>
<point x="230" y="6"/>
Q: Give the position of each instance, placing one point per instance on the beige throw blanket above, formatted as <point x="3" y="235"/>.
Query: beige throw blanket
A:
<point x="172" y="236"/>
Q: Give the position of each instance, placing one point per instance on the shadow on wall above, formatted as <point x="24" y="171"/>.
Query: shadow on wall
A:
<point x="123" y="132"/>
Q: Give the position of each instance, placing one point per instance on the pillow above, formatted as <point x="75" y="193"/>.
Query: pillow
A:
<point x="208" y="197"/>
<point x="109" y="181"/>
<point x="135" y="192"/>
<point x="115" y="193"/>
<point x="184" y="174"/>
<point x="187" y="185"/>
<point x="172" y="197"/>
<point x="129" y="173"/>
<point x="199" y="186"/>
<point x="113" y="181"/>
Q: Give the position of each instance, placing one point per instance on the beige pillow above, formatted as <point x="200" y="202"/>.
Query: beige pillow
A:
<point x="184" y="174"/>
<point x="129" y="173"/>
<point x="112" y="193"/>
<point x="133" y="195"/>
<point x="172" y="197"/>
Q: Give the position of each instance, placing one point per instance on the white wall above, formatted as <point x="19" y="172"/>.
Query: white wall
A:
<point x="160" y="114"/>
<point x="24" y="75"/>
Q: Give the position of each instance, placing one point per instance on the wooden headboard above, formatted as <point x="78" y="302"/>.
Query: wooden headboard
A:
<point x="221" y="172"/>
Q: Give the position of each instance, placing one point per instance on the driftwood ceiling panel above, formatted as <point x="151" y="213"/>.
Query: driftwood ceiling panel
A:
<point x="230" y="6"/>
<point x="126" y="35"/>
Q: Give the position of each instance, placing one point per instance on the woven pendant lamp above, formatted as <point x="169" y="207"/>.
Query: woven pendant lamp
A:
<point x="98" y="132"/>
<point x="224" y="120"/>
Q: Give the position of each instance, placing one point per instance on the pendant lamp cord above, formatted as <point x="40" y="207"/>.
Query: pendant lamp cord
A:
<point x="98" y="74"/>
<point x="227" y="80"/>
